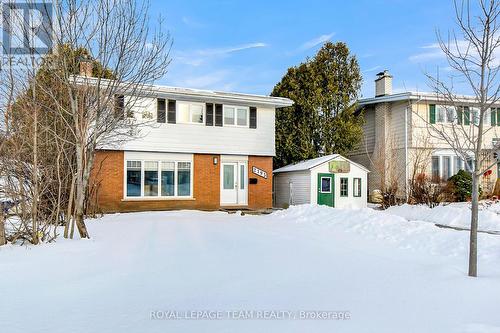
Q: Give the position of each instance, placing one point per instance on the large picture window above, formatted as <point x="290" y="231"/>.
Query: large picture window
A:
<point x="167" y="179"/>
<point x="158" y="179"/>
<point x="184" y="177"/>
<point x="134" y="178"/>
<point x="150" y="179"/>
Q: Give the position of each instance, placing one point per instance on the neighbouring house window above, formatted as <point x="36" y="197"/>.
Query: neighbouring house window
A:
<point x="189" y="113"/>
<point x="344" y="187"/>
<point x="356" y="188"/>
<point x="235" y="116"/>
<point x="446" y="167"/>
<point x="445" y="114"/>
<point x="158" y="179"/>
<point x="167" y="179"/>
<point x="435" y="168"/>
<point x="459" y="164"/>
<point x="133" y="178"/>
<point x="470" y="165"/>
<point x="150" y="178"/>
<point x="184" y="179"/>
<point x="495" y="142"/>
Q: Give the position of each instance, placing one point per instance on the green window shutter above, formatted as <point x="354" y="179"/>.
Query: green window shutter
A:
<point x="432" y="113"/>
<point x="493" y="116"/>
<point x="466" y="115"/>
<point x="498" y="116"/>
<point x="460" y="116"/>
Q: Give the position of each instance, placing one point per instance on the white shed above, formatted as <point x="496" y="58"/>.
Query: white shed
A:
<point x="331" y="180"/>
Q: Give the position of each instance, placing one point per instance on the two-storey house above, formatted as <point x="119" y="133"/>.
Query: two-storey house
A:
<point x="204" y="150"/>
<point x="399" y="142"/>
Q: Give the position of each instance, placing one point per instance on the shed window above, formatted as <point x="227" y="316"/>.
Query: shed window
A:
<point x="326" y="185"/>
<point x="356" y="187"/>
<point x="344" y="187"/>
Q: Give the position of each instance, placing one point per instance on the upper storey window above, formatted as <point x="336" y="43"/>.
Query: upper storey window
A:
<point x="235" y="116"/>
<point x="190" y="113"/>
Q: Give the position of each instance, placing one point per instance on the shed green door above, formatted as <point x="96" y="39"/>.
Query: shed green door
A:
<point x="326" y="189"/>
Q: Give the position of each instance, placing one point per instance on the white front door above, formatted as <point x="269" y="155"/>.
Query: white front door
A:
<point x="234" y="183"/>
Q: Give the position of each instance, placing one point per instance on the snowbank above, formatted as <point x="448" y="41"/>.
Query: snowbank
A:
<point x="456" y="215"/>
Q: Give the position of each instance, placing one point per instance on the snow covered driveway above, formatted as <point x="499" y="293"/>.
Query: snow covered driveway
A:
<point x="391" y="275"/>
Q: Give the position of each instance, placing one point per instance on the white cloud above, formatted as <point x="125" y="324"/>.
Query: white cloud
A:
<point x="230" y="49"/>
<point x="374" y="68"/>
<point x="192" y="23"/>
<point x="433" y="51"/>
<point x="203" y="56"/>
<point x="316" y="41"/>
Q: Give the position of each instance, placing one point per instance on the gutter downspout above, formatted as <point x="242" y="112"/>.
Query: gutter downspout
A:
<point x="406" y="155"/>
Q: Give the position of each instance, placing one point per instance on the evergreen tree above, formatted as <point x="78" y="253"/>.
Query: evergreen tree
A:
<point x="322" y="120"/>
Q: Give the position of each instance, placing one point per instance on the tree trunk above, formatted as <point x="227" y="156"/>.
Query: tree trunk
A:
<point x="3" y="240"/>
<point x="473" y="226"/>
<point x="79" y="204"/>
<point x="70" y="208"/>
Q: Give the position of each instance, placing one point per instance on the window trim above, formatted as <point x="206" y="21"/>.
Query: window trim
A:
<point x="159" y="196"/>
<point x="236" y="107"/>
<point x="190" y="122"/>
<point x="354" y="187"/>
<point x="347" y="187"/>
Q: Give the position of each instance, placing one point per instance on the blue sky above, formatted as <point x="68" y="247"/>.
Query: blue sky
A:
<point x="247" y="46"/>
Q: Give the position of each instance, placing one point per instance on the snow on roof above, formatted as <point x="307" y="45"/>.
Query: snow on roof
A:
<point x="179" y="92"/>
<point x="309" y="164"/>
<point x="415" y="95"/>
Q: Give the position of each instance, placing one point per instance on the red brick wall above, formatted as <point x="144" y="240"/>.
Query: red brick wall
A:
<point x="260" y="195"/>
<point x="108" y="177"/>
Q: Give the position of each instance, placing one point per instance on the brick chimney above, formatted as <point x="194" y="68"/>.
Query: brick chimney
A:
<point x="86" y="68"/>
<point x="383" y="84"/>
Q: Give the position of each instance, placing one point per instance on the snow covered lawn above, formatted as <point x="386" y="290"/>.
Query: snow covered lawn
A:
<point x="456" y="214"/>
<point x="391" y="275"/>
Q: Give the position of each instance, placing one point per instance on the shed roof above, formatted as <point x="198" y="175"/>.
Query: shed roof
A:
<point x="309" y="164"/>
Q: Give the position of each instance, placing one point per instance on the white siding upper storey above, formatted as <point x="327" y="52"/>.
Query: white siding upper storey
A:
<point x="199" y="121"/>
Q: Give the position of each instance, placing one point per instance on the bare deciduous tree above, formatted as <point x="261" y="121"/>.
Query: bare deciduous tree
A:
<point x="60" y="118"/>
<point x="472" y="54"/>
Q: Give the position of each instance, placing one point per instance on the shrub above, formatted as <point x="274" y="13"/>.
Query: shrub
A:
<point x="460" y="186"/>
<point x="425" y="191"/>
